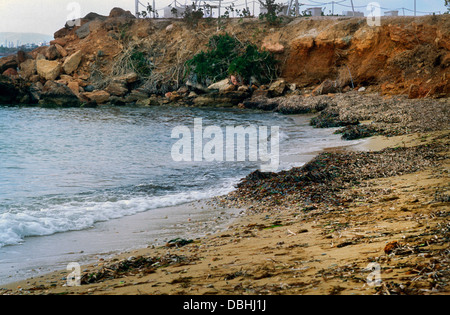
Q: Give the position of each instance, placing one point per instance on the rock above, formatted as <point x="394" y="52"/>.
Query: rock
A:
<point x="59" y="95"/>
<point x="144" y="103"/>
<point x="61" y="50"/>
<point x="118" y="12"/>
<point x="63" y="32"/>
<point x="48" y="70"/>
<point x="52" y="53"/>
<point x="275" y="48"/>
<point x="36" y="91"/>
<point x="244" y="88"/>
<point x="117" y="88"/>
<point x="89" y="88"/>
<point x="83" y="31"/>
<point x="330" y="118"/>
<point x="183" y="90"/>
<point x="98" y="96"/>
<point x="178" y="242"/>
<point x="297" y="104"/>
<point x="8" y="91"/>
<point x="261" y="103"/>
<point x="72" y="62"/>
<point x="27" y="68"/>
<point x="261" y="92"/>
<point x="74" y="87"/>
<point x="60" y="41"/>
<point x="353" y="132"/>
<point x="8" y="62"/>
<point x="136" y="95"/>
<point x="169" y="28"/>
<point x="116" y="100"/>
<point x="277" y="88"/>
<point x="196" y="87"/>
<point x="22" y="56"/>
<point x="222" y="86"/>
<point x="192" y="95"/>
<point x="362" y="89"/>
<point x="174" y="96"/>
<point x="91" y="16"/>
<point x="10" y="72"/>
<point x="221" y="99"/>
<point x="326" y="87"/>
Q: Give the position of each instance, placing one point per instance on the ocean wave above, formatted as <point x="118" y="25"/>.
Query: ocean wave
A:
<point x="18" y="224"/>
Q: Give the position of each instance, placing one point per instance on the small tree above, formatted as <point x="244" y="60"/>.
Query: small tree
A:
<point x="193" y="15"/>
<point x="273" y="9"/>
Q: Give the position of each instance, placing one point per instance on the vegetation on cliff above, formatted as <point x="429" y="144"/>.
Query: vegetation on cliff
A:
<point x="226" y="56"/>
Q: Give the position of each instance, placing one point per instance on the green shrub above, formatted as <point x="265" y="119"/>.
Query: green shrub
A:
<point x="227" y="56"/>
<point x="140" y="63"/>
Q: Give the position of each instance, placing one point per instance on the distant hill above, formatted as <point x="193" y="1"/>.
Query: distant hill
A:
<point x="23" y="38"/>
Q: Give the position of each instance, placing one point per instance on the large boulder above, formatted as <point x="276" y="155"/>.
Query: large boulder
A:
<point x="58" y="95"/>
<point x="48" y="70"/>
<point x="72" y="62"/>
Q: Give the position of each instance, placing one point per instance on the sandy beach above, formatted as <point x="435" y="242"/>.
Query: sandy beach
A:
<point x="399" y="223"/>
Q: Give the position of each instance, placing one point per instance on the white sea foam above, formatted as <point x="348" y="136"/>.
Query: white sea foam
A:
<point x="79" y="215"/>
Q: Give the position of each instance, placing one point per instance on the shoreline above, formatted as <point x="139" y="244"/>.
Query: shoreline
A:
<point x="233" y="214"/>
<point x="281" y="252"/>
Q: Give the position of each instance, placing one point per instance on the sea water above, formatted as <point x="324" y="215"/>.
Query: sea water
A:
<point x="66" y="171"/>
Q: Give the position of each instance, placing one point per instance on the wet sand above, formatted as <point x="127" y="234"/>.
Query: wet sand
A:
<point x="398" y="223"/>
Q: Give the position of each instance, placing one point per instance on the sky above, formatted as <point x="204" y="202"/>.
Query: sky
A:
<point x="48" y="16"/>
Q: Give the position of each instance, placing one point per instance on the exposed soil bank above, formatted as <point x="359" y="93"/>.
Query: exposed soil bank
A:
<point x="102" y="61"/>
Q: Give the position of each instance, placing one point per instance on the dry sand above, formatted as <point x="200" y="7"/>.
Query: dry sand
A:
<point x="299" y="251"/>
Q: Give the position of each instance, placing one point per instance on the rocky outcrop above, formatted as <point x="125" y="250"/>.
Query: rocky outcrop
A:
<point x="58" y="95"/>
<point x="409" y="56"/>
